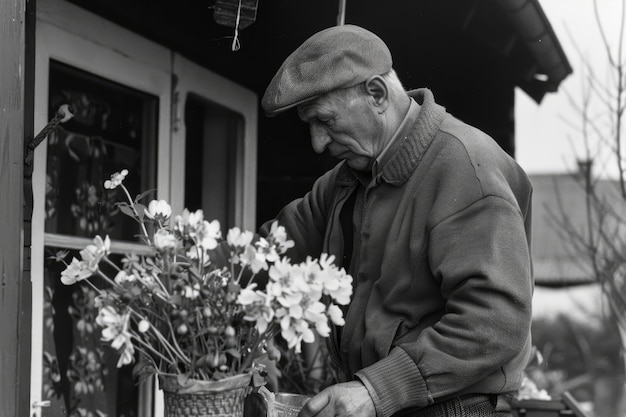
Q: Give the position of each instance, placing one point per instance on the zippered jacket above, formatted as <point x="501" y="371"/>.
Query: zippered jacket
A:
<point x="443" y="286"/>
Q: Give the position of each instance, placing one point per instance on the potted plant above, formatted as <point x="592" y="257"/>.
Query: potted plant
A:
<point x="200" y="308"/>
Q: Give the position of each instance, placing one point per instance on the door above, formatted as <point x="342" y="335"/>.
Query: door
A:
<point x="214" y="136"/>
<point x="193" y="141"/>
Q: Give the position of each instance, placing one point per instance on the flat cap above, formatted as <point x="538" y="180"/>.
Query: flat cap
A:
<point x="337" y="57"/>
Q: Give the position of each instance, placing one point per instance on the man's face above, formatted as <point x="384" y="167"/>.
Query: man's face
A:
<point x="347" y="125"/>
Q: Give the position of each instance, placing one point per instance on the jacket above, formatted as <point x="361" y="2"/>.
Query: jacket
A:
<point x="442" y="290"/>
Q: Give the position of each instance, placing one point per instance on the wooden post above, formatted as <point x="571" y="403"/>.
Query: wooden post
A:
<point x="341" y="14"/>
<point x="16" y="100"/>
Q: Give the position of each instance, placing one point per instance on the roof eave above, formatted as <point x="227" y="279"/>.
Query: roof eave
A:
<point x="536" y="33"/>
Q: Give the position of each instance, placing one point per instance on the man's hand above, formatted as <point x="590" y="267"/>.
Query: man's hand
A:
<point x="341" y="400"/>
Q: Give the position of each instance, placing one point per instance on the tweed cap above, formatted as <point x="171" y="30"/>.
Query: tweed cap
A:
<point x="334" y="58"/>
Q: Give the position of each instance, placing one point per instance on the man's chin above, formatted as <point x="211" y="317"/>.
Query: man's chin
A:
<point x="358" y="164"/>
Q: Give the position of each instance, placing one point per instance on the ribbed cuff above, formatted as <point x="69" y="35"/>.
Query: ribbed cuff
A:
<point x="394" y="383"/>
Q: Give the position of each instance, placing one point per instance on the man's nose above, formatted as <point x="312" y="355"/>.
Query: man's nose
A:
<point x="319" y="138"/>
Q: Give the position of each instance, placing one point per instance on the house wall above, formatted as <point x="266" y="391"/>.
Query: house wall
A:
<point x="288" y="166"/>
<point x="16" y="37"/>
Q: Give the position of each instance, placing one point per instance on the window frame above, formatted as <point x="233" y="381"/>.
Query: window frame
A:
<point x="194" y="79"/>
<point x="71" y="35"/>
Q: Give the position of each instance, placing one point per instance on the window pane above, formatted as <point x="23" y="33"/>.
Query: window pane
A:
<point x="113" y="128"/>
<point x="213" y="152"/>
<point x="80" y="376"/>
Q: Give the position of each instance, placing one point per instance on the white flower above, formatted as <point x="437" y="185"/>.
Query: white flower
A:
<point x="202" y="232"/>
<point x="252" y="258"/>
<point x="336" y="282"/>
<point x="208" y="234"/>
<point x="335" y="314"/>
<point x="116" y="179"/>
<point x="75" y="271"/>
<point x="291" y="302"/>
<point x="236" y="238"/>
<point x="295" y="332"/>
<point x="257" y="307"/>
<point x="267" y="250"/>
<point x="165" y="240"/>
<point x="280" y="238"/>
<point x="188" y="223"/>
<point x="124" y="276"/>
<point x="159" y="210"/>
<point x="127" y="356"/>
<point x="280" y="277"/>
<point x="191" y="292"/>
<point x="322" y="328"/>
<point x="115" y="330"/>
<point x="196" y="218"/>
<point x="275" y="244"/>
<point x="247" y="296"/>
<point x="93" y="254"/>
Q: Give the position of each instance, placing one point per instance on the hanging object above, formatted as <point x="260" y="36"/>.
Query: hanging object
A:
<point x="341" y="15"/>
<point x="238" y="14"/>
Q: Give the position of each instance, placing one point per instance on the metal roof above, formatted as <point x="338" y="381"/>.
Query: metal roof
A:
<point x="556" y="197"/>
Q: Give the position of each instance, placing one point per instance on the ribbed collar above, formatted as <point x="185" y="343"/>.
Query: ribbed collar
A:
<point x="398" y="137"/>
<point x="420" y="134"/>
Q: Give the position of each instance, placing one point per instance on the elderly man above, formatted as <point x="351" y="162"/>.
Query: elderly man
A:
<point x="430" y="217"/>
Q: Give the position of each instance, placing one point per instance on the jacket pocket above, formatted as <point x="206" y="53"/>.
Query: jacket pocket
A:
<point x="379" y="340"/>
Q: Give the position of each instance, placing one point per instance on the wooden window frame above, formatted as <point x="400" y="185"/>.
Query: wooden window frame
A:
<point x="71" y="35"/>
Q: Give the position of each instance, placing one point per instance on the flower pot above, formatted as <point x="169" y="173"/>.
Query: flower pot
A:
<point x="283" y="404"/>
<point x="195" y="398"/>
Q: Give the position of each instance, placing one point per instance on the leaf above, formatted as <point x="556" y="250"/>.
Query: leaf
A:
<point x="234" y="287"/>
<point x="59" y="256"/>
<point x="127" y="210"/>
<point x="175" y="299"/>
<point x="217" y="375"/>
<point x="143" y="369"/>
<point x="144" y="194"/>
<point x="182" y="379"/>
<point x="234" y="353"/>
<point x="202" y="333"/>
<point x="141" y="209"/>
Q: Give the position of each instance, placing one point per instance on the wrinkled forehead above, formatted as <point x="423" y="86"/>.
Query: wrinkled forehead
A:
<point x="317" y="107"/>
<point x="327" y="104"/>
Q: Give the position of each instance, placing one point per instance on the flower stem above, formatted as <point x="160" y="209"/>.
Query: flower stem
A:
<point x="109" y="280"/>
<point x="132" y="206"/>
<point x="111" y="263"/>
<point x="261" y="339"/>
<point x="170" y="361"/>
<point x="173" y="351"/>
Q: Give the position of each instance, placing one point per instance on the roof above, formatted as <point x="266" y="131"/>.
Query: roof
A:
<point x="535" y="31"/>
<point x="556" y="262"/>
<point x="428" y="39"/>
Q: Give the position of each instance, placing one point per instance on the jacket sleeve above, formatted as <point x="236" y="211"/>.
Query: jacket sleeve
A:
<point x="481" y="258"/>
<point x="305" y="219"/>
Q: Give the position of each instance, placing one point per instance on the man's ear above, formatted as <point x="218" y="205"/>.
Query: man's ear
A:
<point x="377" y="88"/>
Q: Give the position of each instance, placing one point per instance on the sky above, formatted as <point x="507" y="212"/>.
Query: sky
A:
<point x="547" y="135"/>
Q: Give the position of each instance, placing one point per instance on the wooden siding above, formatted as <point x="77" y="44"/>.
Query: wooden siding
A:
<point x="15" y="115"/>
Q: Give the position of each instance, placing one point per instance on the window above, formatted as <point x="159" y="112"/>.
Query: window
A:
<point x="213" y="142"/>
<point x="194" y="145"/>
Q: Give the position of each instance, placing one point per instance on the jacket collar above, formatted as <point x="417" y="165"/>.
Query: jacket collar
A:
<point x="419" y="135"/>
<point x="409" y="155"/>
